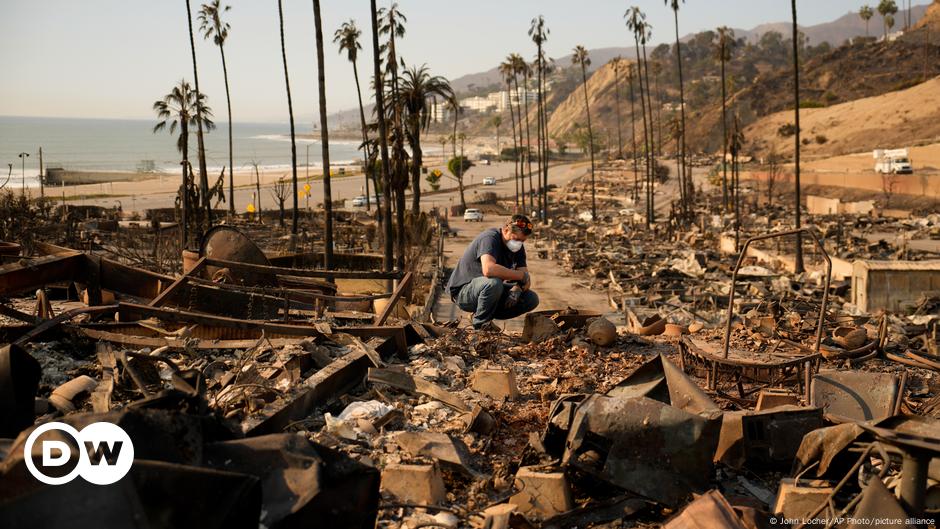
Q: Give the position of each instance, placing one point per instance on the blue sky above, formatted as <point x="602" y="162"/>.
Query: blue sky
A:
<point x="113" y="58"/>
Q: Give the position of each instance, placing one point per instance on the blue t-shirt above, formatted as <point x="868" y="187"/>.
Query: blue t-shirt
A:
<point x="490" y="242"/>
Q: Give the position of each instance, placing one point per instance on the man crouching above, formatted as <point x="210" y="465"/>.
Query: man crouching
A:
<point x="492" y="280"/>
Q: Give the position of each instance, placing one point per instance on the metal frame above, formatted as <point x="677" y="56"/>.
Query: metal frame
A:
<point x="734" y="280"/>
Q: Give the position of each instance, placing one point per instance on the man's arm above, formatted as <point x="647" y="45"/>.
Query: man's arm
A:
<point x="492" y="269"/>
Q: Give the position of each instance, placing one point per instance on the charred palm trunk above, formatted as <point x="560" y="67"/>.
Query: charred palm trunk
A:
<point x="724" y="132"/>
<point x="388" y="256"/>
<point x="366" y="169"/>
<point x="231" y="155"/>
<point x="399" y="173"/>
<point x="617" y="100"/>
<point x="651" y="191"/>
<point x="646" y="128"/>
<point x="545" y="150"/>
<point x="290" y="111"/>
<point x="635" y="154"/>
<point x="538" y="133"/>
<point x="796" y="108"/>
<point x="325" y="142"/>
<point x="515" y="144"/>
<point x="528" y="139"/>
<point x="587" y="109"/>
<point x="519" y="157"/>
<point x="686" y="158"/>
<point x="203" y="176"/>
<point x="417" y="158"/>
<point x="184" y="188"/>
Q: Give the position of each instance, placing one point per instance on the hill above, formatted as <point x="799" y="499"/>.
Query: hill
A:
<point x="835" y="32"/>
<point x="897" y="119"/>
<point x="569" y="116"/>
<point x="846" y="74"/>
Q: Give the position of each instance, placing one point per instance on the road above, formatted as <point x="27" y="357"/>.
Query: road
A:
<point x="162" y="194"/>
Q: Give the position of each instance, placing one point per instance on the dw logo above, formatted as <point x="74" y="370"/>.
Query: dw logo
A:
<point x="105" y="453"/>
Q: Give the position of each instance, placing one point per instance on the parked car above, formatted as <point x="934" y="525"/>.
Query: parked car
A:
<point x="360" y="201"/>
<point x="473" y="215"/>
<point x="489" y="181"/>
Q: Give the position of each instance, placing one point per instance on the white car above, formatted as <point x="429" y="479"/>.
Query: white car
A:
<point x="473" y="215"/>
<point x="360" y="201"/>
<point x="489" y="181"/>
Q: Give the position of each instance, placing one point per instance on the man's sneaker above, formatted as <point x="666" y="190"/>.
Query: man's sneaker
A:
<point x="488" y="327"/>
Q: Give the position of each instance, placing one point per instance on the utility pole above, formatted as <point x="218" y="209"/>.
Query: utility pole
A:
<point x="42" y="188"/>
<point x="23" y="156"/>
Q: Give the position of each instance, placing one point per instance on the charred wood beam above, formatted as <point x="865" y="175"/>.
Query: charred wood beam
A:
<point x="396" y="295"/>
<point x="58" y="320"/>
<point x="28" y="275"/>
<point x="163" y="296"/>
<point x="302" y="272"/>
<point x="327" y="384"/>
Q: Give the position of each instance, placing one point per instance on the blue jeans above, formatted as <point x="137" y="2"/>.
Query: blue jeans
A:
<point x="485" y="297"/>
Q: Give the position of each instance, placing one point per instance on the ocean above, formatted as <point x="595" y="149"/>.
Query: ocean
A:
<point x="131" y="145"/>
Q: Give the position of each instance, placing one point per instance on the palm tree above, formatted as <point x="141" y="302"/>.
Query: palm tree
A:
<point x="203" y="175"/>
<point x="636" y="22"/>
<point x="538" y="32"/>
<point x="866" y="13"/>
<point x="213" y="27"/>
<point x="383" y="136"/>
<point x="635" y="155"/>
<point x="324" y="142"/>
<point x="507" y="71"/>
<point x="887" y="8"/>
<point x="181" y="109"/>
<point x="725" y="42"/>
<point x="454" y="138"/>
<point x="736" y="143"/>
<point x="618" y="66"/>
<point x="683" y="153"/>
<point x="417" y="88"/>
<point x="547" y="68"/>
<point x="293" y="140"/>
<point x="580" y="57"/>
<point x="523" y="68"/>
<point x="796" y="153"/>
<point x="393" y="26"/>
<point x="347" y="38"/>
<point x="496" y="122"/>
<point x="645" y="36"/>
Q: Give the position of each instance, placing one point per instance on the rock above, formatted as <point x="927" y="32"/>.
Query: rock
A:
<point x="850" y="337"/>
<point x="602" y="332"/>
<point x="695" y="327"/>
<point x="497" y="383"/>
<point x="541" y="494"/>
<point x="421" y="484"/>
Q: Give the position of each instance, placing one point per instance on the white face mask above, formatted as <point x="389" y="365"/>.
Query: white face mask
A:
<point x="514" y="245"/>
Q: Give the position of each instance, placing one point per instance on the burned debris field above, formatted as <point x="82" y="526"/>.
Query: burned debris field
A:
<point x="713" y="387"/>
<point x="692" y="282"/>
